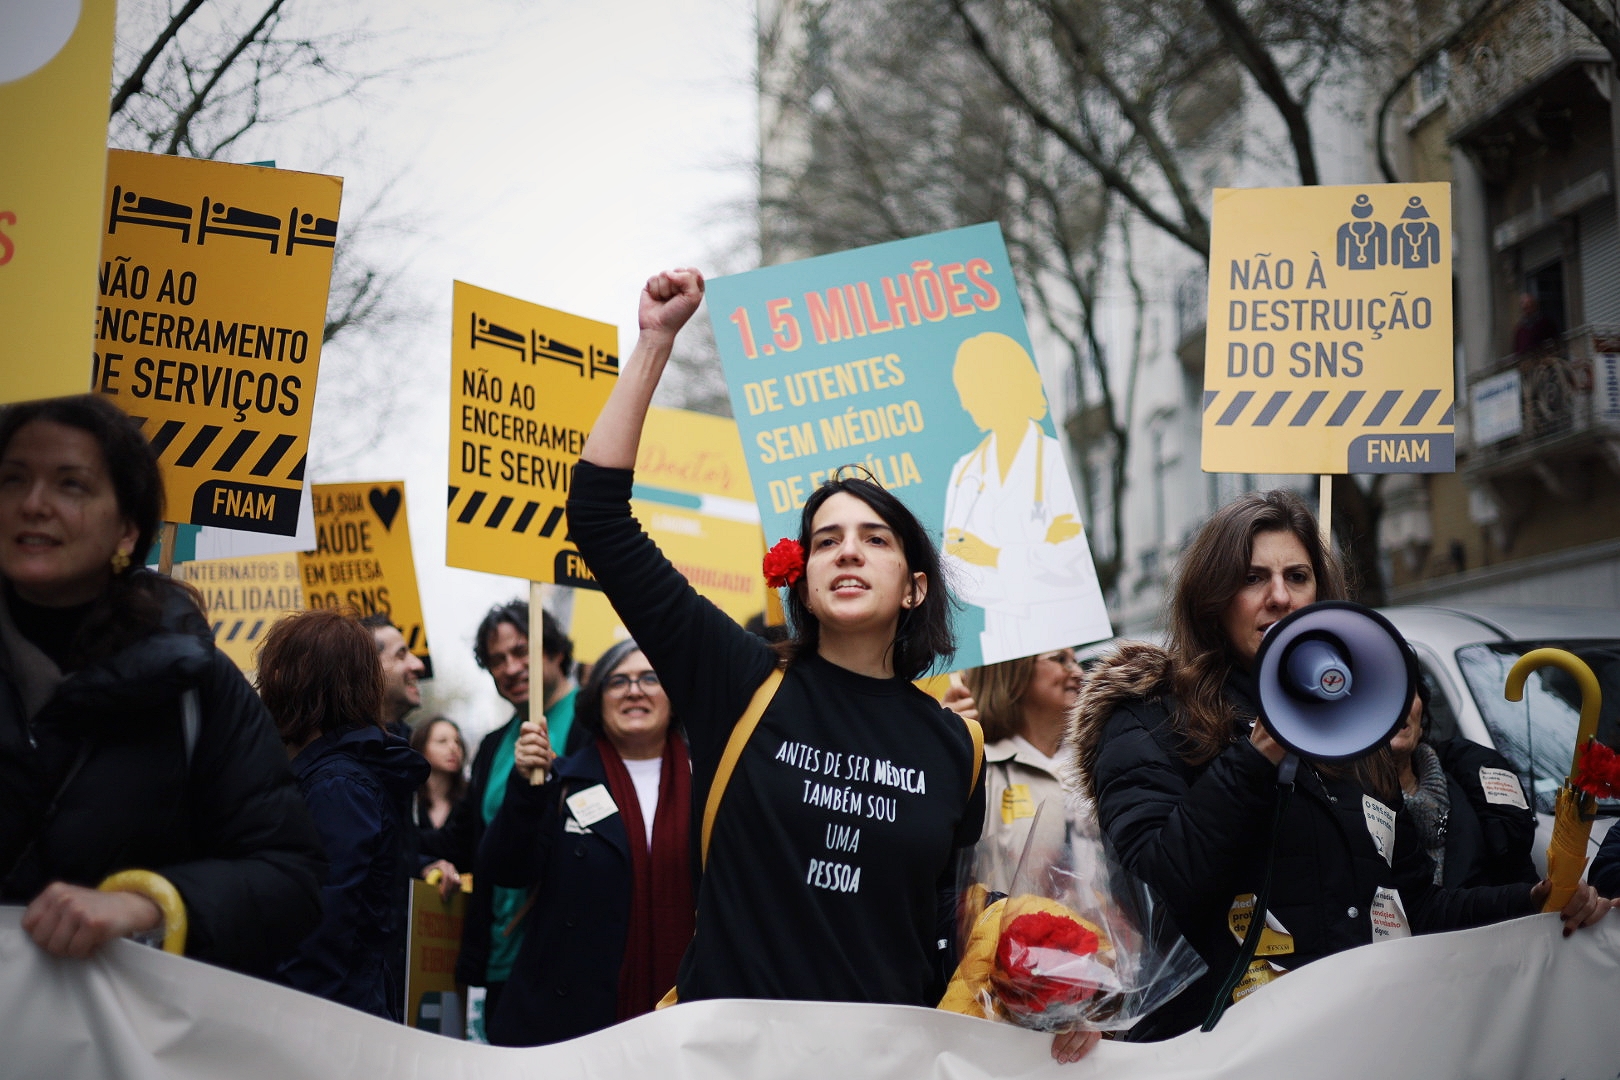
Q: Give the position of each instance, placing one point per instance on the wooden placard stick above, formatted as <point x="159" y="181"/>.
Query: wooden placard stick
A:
<point x="1324" y="511"/>
<point x="168" y="536"/>
<point x="537" y="694"/>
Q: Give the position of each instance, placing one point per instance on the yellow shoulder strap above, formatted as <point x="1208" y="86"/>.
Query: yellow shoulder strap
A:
<point x="734" y="748"/>
<point x="976" y="733"/>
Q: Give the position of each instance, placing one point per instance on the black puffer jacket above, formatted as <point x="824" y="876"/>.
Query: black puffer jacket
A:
<point x="1487" y="843"/>
<point x="228" y="830"/>
<point x="1197" y="835"/>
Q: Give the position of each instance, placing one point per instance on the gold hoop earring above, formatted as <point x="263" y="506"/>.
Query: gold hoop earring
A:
<point x="120" y="561"/>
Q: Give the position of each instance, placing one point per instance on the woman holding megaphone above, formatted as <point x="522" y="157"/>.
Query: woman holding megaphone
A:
<point x="1185" y="779"/>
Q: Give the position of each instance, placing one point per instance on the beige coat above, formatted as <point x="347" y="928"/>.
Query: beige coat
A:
<point x="1016" y="782"/>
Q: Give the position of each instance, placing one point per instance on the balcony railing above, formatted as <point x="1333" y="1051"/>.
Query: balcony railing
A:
<point x="1556" y="394"/>
<point x="1519" y="46"/>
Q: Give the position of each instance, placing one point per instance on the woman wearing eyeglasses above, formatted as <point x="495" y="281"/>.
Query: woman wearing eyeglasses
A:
<point x="603" y="847"/>
<point x="1024" y="706"/>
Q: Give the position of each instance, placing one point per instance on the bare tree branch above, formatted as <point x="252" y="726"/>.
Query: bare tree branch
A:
<point x="1194" y="234"/>
<point x="182" y="122"/>
<point x="135" y="82"/>
<point x="1141" y="120"/>
<point x="1257" y="59"/>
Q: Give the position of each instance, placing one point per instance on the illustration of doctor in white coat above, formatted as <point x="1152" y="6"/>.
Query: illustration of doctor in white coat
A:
<point x="1013" y="534"/>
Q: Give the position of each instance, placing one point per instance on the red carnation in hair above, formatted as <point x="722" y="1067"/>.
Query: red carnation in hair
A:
<point x="784" y="564"/>
<point x="1597" y="770"/>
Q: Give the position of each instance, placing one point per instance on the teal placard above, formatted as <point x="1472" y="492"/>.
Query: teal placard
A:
<point x="912" y="360"/>
<point x="185" y="545"/>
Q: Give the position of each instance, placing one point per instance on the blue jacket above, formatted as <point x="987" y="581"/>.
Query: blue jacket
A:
<point x="358" y="786"/>
<point x="565" y="982"/>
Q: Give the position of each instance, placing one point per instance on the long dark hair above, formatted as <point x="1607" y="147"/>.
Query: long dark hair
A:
<point x="588" y="705"/>
<point x="924" y="634"/>
<point x="1210" y="573"/>
<point x="132" y="605"/>
<point x="319" y="675"/>
<point x="422" y="732"/>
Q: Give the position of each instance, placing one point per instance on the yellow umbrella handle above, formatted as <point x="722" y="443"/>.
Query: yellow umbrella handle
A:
<point x="1591" y="693"/>
<point x="156" y="888"/>
<point x="1566" y="854"/>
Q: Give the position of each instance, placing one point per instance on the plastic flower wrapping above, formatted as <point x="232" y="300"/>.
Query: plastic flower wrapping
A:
<point x="1064" y="939"/>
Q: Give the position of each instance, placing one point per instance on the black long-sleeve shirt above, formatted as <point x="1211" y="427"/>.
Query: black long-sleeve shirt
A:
<point x="838" y="827"/>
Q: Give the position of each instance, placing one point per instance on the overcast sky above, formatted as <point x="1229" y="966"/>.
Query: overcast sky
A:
<point x="565" y="153"/>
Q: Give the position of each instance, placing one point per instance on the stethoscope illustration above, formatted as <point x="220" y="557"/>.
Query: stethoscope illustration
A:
<point x="978" y="463"/>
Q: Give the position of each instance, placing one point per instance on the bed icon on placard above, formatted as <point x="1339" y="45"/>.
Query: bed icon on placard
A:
<point x="129" y="208"/>
<point x="490" y="333"/>
<point x="309" y="230"/>
<point x="218" y="219"/>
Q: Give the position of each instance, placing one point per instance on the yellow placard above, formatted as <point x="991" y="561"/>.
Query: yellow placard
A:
<point x="55" y="74"/>
<point x="526" y="384"/>
<point x="213" y="286"/>
<point x="434" y="944"/>
<point x="243" y="598"/>
<point x="1328" y="343"/>
<point x="693" y="497"/>
<point x="362" y="557"/>
<point x="595" y="626"/>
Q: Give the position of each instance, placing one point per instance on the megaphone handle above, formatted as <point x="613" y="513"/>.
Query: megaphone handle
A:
<point x="1286" y="770"/>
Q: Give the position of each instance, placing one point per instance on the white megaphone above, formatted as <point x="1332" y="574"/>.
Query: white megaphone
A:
<point x="1335" y="680"/>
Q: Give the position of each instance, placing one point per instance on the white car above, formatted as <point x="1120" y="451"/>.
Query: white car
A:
<point x="1465" y="655"/>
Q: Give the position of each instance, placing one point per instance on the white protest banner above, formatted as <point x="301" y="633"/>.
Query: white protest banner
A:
<point x="1513" y="1000"/>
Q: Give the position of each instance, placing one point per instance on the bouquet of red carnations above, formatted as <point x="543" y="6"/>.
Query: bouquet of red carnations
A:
<point x="1075" y="942"/>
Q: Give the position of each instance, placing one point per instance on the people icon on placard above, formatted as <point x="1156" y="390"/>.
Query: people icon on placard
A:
<point x="1362" y="244"/>
<point x="1415" y="244"/>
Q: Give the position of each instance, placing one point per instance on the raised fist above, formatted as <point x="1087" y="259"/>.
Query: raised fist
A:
<point x="670" y="299"/>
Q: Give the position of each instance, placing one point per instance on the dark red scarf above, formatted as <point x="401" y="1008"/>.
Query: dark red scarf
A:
<point x="661" y="910"/>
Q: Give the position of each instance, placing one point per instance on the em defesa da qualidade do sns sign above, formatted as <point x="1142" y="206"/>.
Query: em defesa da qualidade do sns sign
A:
<point x="213" y="286"/>
<point x="910" y="362"/>
<point x="1329" y="342"/>
<point x="362" y="558"/>
<point x="526" y="384"/>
